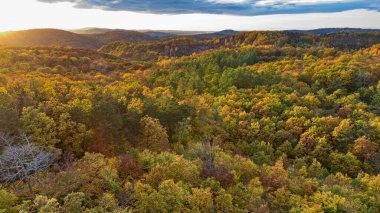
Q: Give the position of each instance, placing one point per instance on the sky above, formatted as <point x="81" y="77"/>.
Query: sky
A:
<point x="199" y="15"/>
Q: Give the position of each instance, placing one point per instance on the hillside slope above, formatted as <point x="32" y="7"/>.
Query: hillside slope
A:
<point x="265" y="122"/>
<point x="176" y="47"/>
<point x="54" y="37"/>
<point x="122" y="35"/>
<point x="187" y="45"/>
<point x="48" y="37"/>
<point x="324" y="31"/>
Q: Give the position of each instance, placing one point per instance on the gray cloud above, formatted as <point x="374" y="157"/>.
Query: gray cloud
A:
<point x="232" y="7"/>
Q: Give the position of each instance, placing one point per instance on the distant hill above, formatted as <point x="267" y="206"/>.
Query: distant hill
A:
<point x="159" y="34"/>
<point x="105" y="35"/>
<point x="175" y="32"/>
<point x="48" y="37"/>
<point x="94" y="38"/>
<point x="122" y="35"/>
<point x="187" y="45"/>
<point x="342" y="40"/>
<point x="92" y="30"/>
<point x="176" y="47"/>
<point x="195" y="34"/>
<point x="216" y="34"/>
<point x="54" y="37"/>
<point x="324" y="31"/>
<point x="153" y="33"/>
<point x="178" y="43"/>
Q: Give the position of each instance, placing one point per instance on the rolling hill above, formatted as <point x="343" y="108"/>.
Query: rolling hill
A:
<point x="176" y="43"/>
<point x="324" y="31"/>
<point x="251" y="122"/>
<point x="92" y="30"/>
<point x="94" y="38"/>
<point x="216" y="34"/>
<point x="122" y="35"/>
<point x="55" y="37"/>
<point x="48" y="37"/>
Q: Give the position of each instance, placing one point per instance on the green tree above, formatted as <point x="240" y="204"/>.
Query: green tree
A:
<point x="8" y="114"/>
<point x="200" y="200"/>
<point x="7" y="200"/>
<point x="345" y="163"/>
<point x="72" y="135"/>
<point x="153" y="135"/>
<point x="169" y="197"/>
<point x="45" y="205"/>
<point x="108" y="202"/>
<point x="343" y="134"/>
<point x="73" y="202"/>
<point x="224" y="202"/>
<point x="178" y="170"/>
<point x="40" y="127"/>
<point x="261" y="152"/>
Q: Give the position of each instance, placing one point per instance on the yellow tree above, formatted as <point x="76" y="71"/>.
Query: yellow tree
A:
<point x="40" y="127"/>
<point x="153" y="135"/>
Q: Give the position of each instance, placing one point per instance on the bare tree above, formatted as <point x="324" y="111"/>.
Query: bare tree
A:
<point x="21" y="158"/>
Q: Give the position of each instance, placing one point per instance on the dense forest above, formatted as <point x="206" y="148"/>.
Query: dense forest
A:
<point x="249" y="122"/>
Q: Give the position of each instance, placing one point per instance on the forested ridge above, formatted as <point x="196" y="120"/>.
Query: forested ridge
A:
<point x="250" y="122"/>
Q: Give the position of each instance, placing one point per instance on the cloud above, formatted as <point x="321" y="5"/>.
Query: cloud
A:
<point x="231" y="7"/>
<point x="299" y="2"/>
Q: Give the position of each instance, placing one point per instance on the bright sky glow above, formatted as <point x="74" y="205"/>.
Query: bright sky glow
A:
<point x="27" y="14"/>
